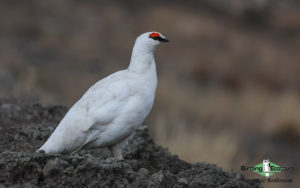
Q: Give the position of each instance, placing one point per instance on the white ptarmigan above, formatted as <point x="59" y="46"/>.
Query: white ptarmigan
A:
<point x="113" y="108"/>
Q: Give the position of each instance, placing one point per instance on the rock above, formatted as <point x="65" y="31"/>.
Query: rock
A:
<point x="183" y="181"/>
<point x="146" y="164"/>
<point x="143" y="172"/>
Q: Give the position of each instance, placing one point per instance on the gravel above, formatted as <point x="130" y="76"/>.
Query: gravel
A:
<point x="25" y="126"/>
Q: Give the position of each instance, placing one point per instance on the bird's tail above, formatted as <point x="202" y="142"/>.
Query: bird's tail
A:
<point x="40" y="150"/>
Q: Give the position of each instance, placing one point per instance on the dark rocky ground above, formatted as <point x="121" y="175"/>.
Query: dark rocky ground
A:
<point x="25" y="126"/>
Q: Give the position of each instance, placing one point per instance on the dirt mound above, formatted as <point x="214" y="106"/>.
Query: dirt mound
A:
<point x="25" y="126"/>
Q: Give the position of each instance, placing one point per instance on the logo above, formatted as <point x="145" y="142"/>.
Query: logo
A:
<point x="268" y="169"/>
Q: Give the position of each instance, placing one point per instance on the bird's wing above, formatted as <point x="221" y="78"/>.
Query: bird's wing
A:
<point x="101" y="104"/>
<point x="98" y="107"/>
<point x="93" y="133"/>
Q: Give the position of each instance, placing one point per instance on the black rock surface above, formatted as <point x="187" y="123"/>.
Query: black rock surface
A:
<point x="25" y="126"/>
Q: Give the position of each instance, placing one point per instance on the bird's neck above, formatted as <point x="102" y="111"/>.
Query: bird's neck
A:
<point x="142" y="59"/>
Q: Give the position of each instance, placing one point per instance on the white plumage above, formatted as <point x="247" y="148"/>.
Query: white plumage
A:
<point x="113" y="108"/>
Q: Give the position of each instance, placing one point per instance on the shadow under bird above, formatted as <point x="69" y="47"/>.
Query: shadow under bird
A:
<point x="113" y="108"/>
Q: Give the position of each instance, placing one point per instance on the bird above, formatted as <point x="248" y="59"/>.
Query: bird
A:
<point x="113" y="108"/>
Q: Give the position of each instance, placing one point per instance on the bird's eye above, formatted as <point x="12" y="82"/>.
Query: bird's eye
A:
<point x="156" y="36"/>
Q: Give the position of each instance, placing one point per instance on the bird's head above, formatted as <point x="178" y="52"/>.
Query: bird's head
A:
<point x="150" y="39"/>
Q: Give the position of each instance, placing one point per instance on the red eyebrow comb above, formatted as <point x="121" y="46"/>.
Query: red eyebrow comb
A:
<point x="154" y="35"/>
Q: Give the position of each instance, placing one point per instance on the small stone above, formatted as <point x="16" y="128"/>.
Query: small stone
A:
<point x="183" y="181"/>
<point x="143" y="172"/>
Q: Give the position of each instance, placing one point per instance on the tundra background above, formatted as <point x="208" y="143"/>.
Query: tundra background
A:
<point x="229" y="82"/>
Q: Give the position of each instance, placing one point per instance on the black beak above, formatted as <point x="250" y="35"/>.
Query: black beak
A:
<point x="163" y="39"/>
<point x="160" y="39"/>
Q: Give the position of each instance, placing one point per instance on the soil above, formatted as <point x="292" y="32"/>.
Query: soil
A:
<point x="25" y="126"/>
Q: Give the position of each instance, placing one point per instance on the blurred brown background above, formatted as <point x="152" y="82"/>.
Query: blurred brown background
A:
<point x="229" y="81"/>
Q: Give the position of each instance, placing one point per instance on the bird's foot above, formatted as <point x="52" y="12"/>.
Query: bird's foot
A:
<point x="119" y="158"/>
<point x="117" y="153"/>
<point x="117" y="149"/>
